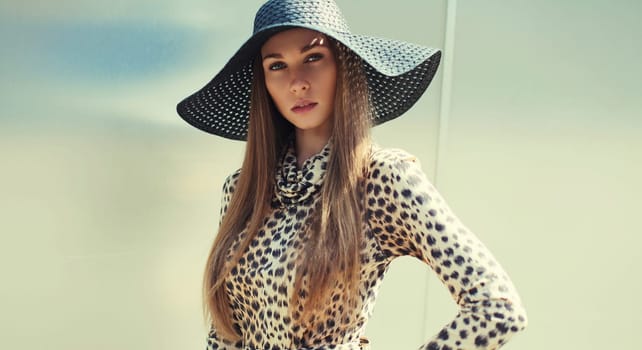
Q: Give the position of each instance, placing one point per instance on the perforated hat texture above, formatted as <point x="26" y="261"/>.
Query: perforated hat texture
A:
<point x="397" y="72"/>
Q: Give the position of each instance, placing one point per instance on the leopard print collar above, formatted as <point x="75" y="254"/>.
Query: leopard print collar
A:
<point x="297" y="186"/>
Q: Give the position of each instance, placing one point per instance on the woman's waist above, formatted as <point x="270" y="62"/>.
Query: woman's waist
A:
<point x="360" y="344"/>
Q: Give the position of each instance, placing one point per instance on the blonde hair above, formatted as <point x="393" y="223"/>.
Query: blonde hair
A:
<point x="332" y="252"/>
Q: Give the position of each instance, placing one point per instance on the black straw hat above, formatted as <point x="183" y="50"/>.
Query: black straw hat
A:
<point x="397" y="72"/>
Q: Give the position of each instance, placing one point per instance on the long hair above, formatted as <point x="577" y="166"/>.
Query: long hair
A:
<point x="330" y="257"/>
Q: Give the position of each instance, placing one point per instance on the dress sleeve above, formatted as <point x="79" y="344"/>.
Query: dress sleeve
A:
<point x="410" y="217"/>
<point x="226" y="193"/>
<point x="214" y="342"/>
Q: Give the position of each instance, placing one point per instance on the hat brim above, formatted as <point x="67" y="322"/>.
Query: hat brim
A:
<point x="398" y="73"/>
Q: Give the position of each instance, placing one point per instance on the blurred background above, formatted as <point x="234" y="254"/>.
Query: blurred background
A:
<point x="109" y="201"/>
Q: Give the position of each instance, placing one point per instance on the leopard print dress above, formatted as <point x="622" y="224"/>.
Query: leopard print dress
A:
<point x="404" y="215"/>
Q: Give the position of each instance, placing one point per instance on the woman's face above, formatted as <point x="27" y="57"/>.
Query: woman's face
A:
<point x="300" y="75"/>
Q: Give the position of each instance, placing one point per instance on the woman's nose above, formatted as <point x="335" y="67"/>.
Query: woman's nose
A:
<point x="299" y="84"/>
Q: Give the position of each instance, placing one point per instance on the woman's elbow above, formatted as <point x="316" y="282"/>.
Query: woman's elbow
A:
<point x="516" y="317"/>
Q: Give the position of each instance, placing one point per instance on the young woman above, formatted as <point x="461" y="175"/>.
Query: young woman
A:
<point x="312" y="220"/>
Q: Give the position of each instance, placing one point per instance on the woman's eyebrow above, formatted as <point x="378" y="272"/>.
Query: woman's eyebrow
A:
<point x="315" y="42"/>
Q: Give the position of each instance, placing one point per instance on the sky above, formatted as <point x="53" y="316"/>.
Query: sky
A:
<point x="81" y="59"/>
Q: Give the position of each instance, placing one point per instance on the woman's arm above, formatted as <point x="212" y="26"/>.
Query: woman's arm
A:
<point x="214" y="342"/>
<point x="226" y="193"/>
<point x="414" y="219"/>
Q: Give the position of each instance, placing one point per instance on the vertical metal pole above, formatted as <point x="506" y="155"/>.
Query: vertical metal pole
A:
<point x="444" y="114"/>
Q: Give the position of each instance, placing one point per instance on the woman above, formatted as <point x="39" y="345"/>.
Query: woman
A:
<point x="312" y="220"/>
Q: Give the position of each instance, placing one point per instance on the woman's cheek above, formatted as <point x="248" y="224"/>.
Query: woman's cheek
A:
<point x="273" y="85"/>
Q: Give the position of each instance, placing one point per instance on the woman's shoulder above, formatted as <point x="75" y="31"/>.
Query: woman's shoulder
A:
<point x="231" y="180"/>
<point x="390" y="159"/>
<point x="395" y="168"/>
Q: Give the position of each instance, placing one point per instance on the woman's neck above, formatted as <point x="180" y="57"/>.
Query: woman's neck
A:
<point x="308" y="144"/>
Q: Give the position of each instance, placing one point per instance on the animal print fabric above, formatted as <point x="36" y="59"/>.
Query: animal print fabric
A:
<point x="403" y="215"/>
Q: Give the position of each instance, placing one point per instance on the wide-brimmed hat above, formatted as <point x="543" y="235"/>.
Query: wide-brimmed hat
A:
<point x="397" y="72"/>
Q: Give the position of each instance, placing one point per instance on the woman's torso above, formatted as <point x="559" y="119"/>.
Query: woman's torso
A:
<point x="261" y="284"/>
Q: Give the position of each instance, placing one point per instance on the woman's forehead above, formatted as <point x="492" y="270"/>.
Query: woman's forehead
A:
<point x="295" y="38"/>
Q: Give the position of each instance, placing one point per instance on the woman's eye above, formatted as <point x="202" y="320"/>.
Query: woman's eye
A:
<point x="314" y="57"/>
<point x="277" y="66"/>
<point x="281" y="65"/>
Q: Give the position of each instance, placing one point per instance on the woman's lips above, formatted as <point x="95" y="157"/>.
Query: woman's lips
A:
<point x="304" y="107"/>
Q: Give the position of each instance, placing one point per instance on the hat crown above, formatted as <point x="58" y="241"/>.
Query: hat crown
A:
<point x="322" y="14"/>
